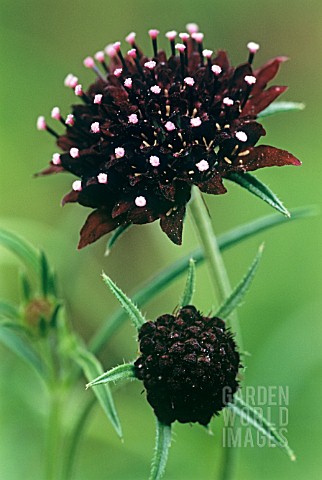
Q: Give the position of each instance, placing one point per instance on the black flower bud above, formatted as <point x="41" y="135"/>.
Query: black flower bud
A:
<point x="189" y="366"/>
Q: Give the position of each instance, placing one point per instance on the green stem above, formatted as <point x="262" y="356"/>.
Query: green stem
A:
<point x="210" y="246"/>
<point x="222" y="288"/>
<point x="75" y="437"/>
<point x="53" y="439"/>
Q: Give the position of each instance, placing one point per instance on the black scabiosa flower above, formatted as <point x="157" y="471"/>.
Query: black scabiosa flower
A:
<point x="151" y="127"/>
<point x="189" y="365"/>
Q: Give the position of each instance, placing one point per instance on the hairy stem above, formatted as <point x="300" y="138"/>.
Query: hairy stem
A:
<point x="222" y="289"/>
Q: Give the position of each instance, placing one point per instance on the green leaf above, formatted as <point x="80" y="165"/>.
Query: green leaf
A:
<point x="162" y="445"/>
<point x="255" y="186"/>
<point x="26" y="252"/>
<point x="92" y="368"/>
<point x="238" y="294"/>
<point x="16" y="341"/>
<point x="190" y="285"/>
<point x="280" y="107"/>
<point x="7" y="310"/>
<point x="165" y="277"/>
<point x="25" y="287"/>
<point x="54" y="316"/>
<point x="114" y="237"/>
<point x="121" y="372"/>
<point x="128" y="305"/>
<point x="52" y="283"/>
<point x="44" y="274"/>
<point x="242" y="232"/>
<point x="254" y="418"/>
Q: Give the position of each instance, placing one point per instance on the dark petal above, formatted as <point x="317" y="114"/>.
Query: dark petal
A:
<point x="88" y="159"/>
<point x="121" y="207"/>
<point x="97" y="224"/>
<point x="172" y="224"/>
<point x="49" y="170"/>
<point x="266" y="73"/>
<point x="213" y="186"/>
<point x="222" y="60"/>
<point x="139" y="215"/>
<point x="259" y="102"/>
<point x="265" y="156"/>
<point x="238" y="80"/>
<point x="70" y="197"/>
<point x="95" y="196"/>
<point x="253" y="131"/>
<point x="168" y="191"/>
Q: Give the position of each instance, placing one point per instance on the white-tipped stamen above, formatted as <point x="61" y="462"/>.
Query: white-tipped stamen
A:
<point x="102" y="178"/>
<point x="150" y="64"/>
<point x="56" y="159"/>
<point x="77" y="186"/>
<point x="195" y="122"/>
<point x="89" y="62"/>
<point x="241" y="136"/>
<point x="133" y="118"/>
<point x="74" y="152"/>
<point x="250" y="79"/>
<point x="70" y="120"/>
<point x="202" y="166"/>
<point x="78" y="90"/>
<point x="198" y="37"/>
<point x="171" y="35"/>
<point x="192" y="28"/>
<point x="55" y="113"/>
<point x="207" y="53"/>
<point x="189" y="81"/>
<point x="41" y="123"/>
<point x="154" y="161"/>
<point x="98" y="98"/>
<point x="118" y="72"/>
<point x="228" y="101"/>
<point x="169" y="126"/>
<point x="130" y="38"/>
<point x="100" y="56"/>
<point x="140" y="201"/>
<point x="128" y="83"/>
<point x="253" y="47"/>
<point x="119" y="152"/>
<point x="216" y="69"/>
<point x="95" y="127"/>
<point x="155" y="89"/>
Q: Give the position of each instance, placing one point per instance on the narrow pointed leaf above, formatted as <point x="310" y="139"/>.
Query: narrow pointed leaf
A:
<point x="280" y="107"/>
<point x="254" y="418"/>
<point x="20" y="345"/>
<point x="52" y="283"/>
<point x="44" y="274"/>
<point x="115" y="235"/>
<point x="128" y="305"/>
<point x="162" y="445"/>
<point x="258" y="188"/>
<point x="165" y="277"/>
<point x="238" y="294"/>
<point x="249" y="229"/>
<point x="190" y="285"/>
<point x="92" y="368"/>
<point x="25" y="287"/>
<point x="121" y="372"/>
<point x="17" y="245"/>
<point x="7" y="310"/>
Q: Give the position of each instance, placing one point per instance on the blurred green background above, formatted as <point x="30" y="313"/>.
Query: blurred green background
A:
<point x="41" y="42"/>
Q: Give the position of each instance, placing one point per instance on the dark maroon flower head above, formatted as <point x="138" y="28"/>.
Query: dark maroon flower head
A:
<point x="150" y="128"/>
<point x="189" y="366"/>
